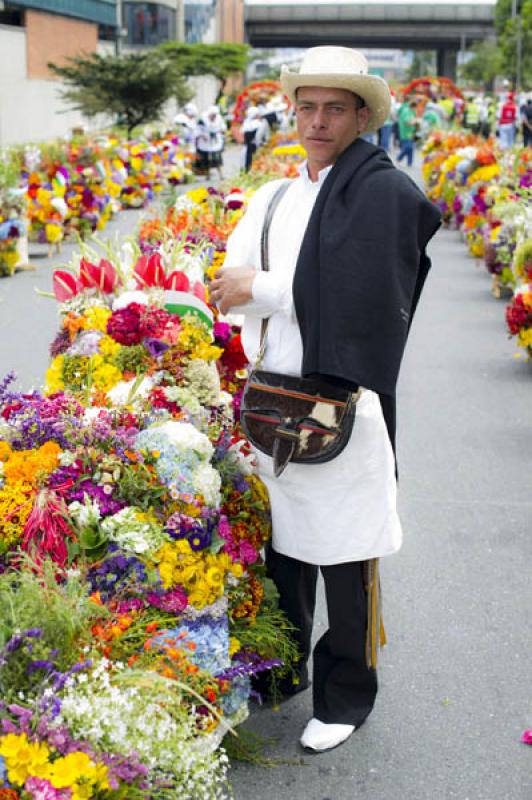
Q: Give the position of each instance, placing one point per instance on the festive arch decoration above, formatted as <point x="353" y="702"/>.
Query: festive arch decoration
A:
<point x="253" y="94"/>
<point x="430" y="85"/>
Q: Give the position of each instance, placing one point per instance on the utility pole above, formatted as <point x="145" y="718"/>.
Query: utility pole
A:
<point x="118" y="37"/>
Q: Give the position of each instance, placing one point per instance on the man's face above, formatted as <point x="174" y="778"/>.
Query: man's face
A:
<point x="328" y="120"/>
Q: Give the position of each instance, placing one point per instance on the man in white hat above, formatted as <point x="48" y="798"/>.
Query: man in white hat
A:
<point x="347" y="265"/>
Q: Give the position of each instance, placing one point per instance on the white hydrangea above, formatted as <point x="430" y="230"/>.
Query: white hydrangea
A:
<point x="207" y="482"/>
<point x="125" y="392"/>
<point x="186" y="437"/>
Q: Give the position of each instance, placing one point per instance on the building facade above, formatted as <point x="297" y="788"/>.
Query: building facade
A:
<point x="34" y="33"/>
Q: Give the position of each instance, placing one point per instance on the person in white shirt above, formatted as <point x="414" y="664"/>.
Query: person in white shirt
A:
<point x="338" y="517"/>
<point x="186" y="122"/>
<point x="252" y="133"/>
<point x="210" y="142"/>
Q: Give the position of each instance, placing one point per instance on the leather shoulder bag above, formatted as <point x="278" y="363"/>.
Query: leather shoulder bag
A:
<point x="304" y="420"/>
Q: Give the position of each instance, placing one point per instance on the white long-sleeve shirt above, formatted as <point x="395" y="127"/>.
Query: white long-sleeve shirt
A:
<point x="343" y="510"/>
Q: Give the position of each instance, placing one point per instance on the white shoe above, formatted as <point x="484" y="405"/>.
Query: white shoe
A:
<point x="322" y="736"/>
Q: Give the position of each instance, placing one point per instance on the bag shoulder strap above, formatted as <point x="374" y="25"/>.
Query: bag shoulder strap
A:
<point x="274" y="201"/>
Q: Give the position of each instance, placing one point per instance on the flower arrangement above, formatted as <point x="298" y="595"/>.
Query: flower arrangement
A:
<point x="128" y="492"/>
<point x="12" y="217"/>
<point x="74" y="188"/>
<point x="519" y="317"/>
<point x="486" y="193"/>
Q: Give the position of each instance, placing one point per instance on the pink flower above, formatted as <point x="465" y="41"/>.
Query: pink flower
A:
<point x="247" y="553"/>
<point x="526" y="738"/>
<point x="41" y="789"/>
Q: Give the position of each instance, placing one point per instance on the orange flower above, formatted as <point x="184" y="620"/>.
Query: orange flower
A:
<point x="73" y="324"/>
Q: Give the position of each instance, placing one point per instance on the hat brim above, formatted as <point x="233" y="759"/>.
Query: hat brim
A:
<point x="371" y="88"/>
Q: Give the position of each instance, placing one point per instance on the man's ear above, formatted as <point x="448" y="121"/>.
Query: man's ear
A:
<point x="363" y="118"/>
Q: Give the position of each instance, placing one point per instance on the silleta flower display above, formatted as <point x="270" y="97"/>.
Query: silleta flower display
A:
<point x="127" y="490"/>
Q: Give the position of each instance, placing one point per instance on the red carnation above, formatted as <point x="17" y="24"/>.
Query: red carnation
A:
<point x="124" y="324"/>
<point x="518" y="316"/>
<point x="153" y="322"/>
<point x="233" y="357"/>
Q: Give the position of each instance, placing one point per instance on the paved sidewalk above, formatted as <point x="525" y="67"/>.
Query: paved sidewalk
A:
<point x="455" y="690"/>
<point x="28" y="321"/>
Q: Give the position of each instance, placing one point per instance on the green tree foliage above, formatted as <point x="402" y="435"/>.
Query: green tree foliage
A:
<point x="509" y="29"/>
<point x="484" y="65"/>
<point x="134" y="87"/>
<point x="423" y="63"/>
<point x="220" y="60"/>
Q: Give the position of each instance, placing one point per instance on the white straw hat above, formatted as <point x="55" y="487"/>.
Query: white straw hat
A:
<point x="340" y="68"/>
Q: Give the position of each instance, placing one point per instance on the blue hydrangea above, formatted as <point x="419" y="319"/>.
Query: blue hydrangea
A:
<point x="211" y="637"/>
<point x="237" y="696"/>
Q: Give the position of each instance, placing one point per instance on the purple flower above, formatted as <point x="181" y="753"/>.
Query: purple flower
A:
<point x="154" y="346"/>
<point x="174" y="601"/>
<point x="199" y="539"/>
<point x="60" y="344"/>
<point x="33" y="666"/>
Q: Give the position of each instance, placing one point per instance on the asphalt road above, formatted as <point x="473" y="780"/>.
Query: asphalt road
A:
<point x="455" y="688"/>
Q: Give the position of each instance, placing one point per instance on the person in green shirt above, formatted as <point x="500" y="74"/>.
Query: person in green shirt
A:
<point x="407" y="131"/>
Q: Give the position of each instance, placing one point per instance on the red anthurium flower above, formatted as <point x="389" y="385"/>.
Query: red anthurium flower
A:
<point x="86" y="275"/>
<point x="177" y="281"/>
<point x="65" y="285"/>
<point x="199" y="291"/>
<point x="100" y="276"/>
<point x="149" y="271"/>
<point x="108" y="278"/>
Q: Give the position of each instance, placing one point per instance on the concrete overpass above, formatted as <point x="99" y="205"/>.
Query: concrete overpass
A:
<point x="441" y="26"/>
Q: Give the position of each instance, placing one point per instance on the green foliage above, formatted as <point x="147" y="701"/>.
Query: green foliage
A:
<point x="270" y="634"/>
<point x="62" y="613"/>
<point x="423" y="63"/>
<point x="220" y="60"/>
<point x="509" y="30"/>
<point x="484" y="65"/>
<point x="133" y="87"/>
<point x="137" y="487"/>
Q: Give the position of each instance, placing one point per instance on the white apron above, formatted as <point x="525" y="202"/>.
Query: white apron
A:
<point x="343" y="510"/>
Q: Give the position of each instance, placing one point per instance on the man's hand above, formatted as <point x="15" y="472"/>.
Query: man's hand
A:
<point x="232" y="287"/>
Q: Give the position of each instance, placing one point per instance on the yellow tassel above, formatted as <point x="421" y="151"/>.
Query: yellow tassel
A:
<point x="375" y="635"/>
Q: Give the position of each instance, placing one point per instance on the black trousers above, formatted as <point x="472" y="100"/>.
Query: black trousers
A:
<point x="343" y="686"/>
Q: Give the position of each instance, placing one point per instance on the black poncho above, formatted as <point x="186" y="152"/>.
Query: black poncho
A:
<point x="360" y="272"/>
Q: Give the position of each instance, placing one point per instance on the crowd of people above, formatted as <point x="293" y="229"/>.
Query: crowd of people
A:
<point x="204" y="134"/>
<point x="508" y="116"/>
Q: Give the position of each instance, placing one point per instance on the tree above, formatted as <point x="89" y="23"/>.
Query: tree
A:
<point x="423" y="63"/>
<point x="484" y="65"/>
<point x="134" y="87"/>
<point x="220" y="60"/>
<point x="509" y="31"/>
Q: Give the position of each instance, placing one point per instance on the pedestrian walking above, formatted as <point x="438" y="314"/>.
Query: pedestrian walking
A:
<point x="186" y="123"/>
<point x="407" y="132"/>
<point x="472" y="115"/>
<point x="385" y="133"/>
<point x="526" y="122"/>
<point x="345" y="246"/>
<point x="507" y="122"/>
<point x="210" y="142"/>
<point x="252" y="129"/>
